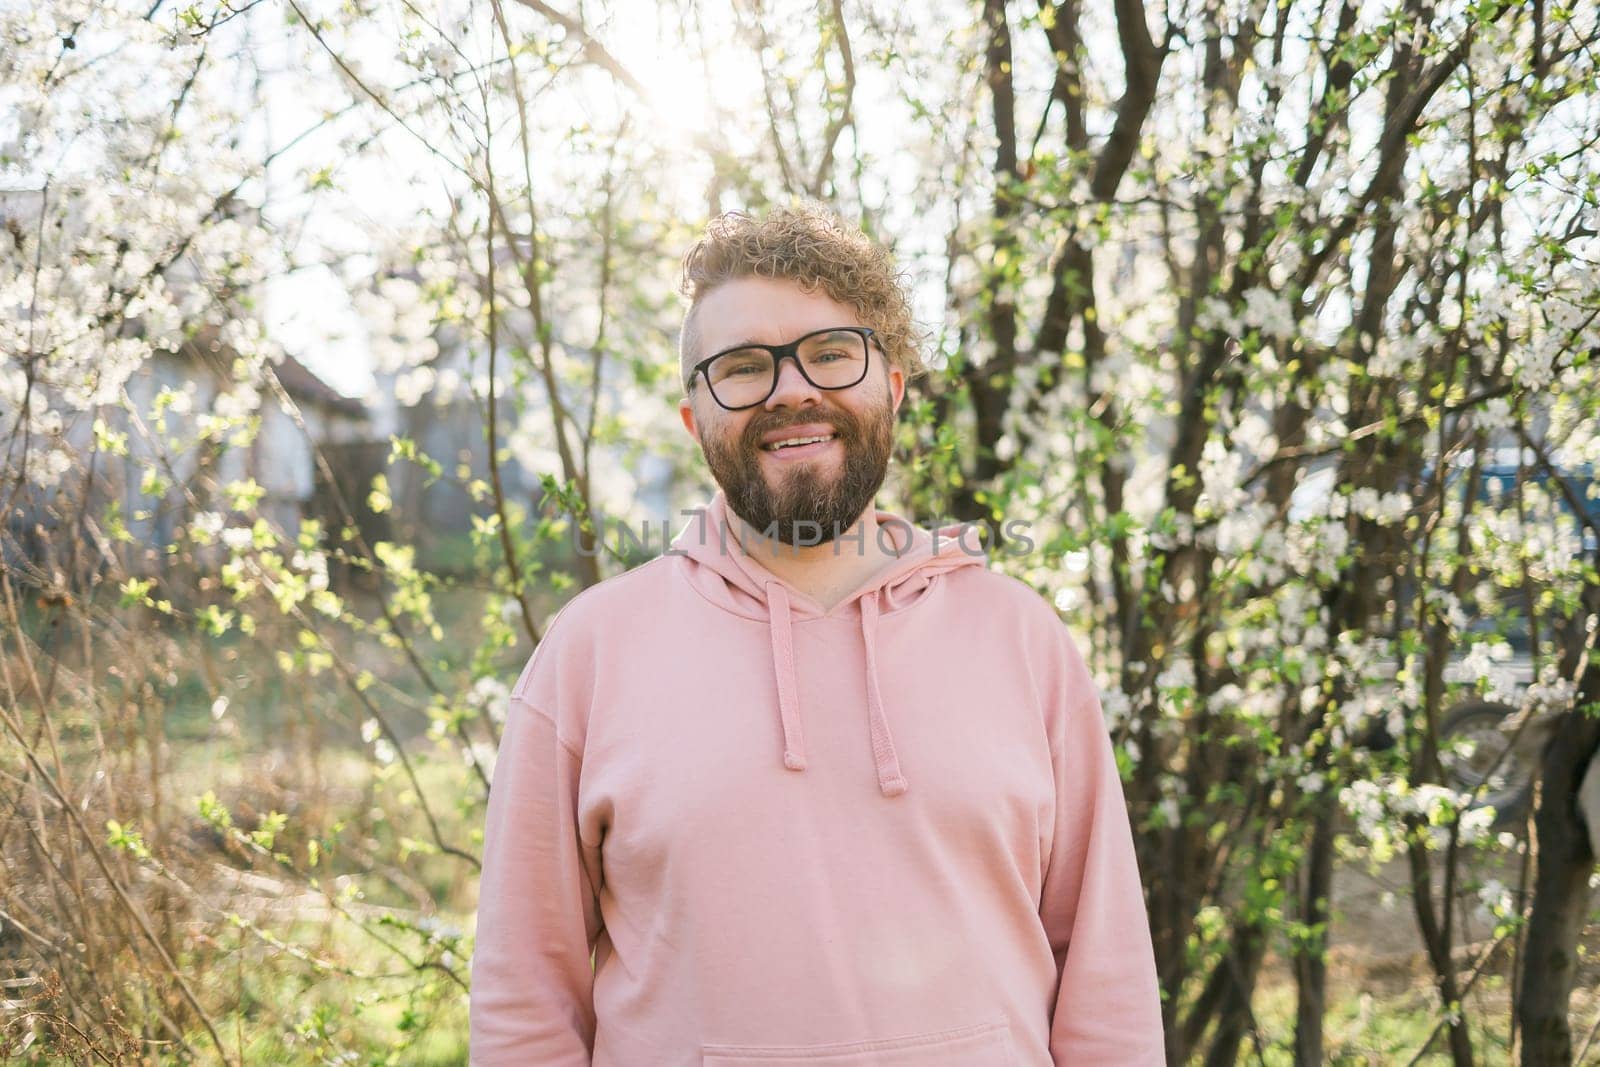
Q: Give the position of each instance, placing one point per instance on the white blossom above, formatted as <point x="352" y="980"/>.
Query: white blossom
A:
<point x="1495" y="900"/>
<point x="47" y="466"/>
<point x="491" y="696"/>
<point x="206" y="526"/>
<point x="411" y="386"/>
<point x="238" y="538"/>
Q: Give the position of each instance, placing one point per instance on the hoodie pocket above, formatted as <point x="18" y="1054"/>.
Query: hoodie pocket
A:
<point x="981" y="1045"/>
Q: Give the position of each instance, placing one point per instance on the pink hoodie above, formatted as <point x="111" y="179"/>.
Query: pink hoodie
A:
<point x="889" y="834"/>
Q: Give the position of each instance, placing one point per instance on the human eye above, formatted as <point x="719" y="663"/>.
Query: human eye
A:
<point x="832" y="349"/>
<point x="740" y="365"/>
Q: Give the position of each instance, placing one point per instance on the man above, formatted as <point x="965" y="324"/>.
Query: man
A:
<point x="815" y="786"/>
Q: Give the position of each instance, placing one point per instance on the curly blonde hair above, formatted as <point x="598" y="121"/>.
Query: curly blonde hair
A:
<point x="813" y="246"/>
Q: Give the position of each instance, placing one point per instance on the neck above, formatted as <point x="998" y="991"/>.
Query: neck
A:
<point x="824" y="572"/>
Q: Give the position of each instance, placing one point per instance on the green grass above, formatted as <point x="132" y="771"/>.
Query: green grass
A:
<point x="292" y="744"/>
<point x="283" y="1009"/>
<point x="1384" y="1026"/>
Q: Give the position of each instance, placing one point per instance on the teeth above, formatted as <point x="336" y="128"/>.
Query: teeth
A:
<point x="790" y="442"/>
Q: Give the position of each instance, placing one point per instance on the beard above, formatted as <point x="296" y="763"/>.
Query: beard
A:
<point x="812" y="503"/>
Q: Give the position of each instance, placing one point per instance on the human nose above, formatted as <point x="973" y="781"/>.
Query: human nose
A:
<point x="791" y="388"/>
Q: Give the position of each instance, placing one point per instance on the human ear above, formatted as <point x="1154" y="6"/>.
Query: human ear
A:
<point x="686" y="413"/>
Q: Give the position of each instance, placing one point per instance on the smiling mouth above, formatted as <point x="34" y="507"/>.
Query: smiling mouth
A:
<point x="797" y="442"/>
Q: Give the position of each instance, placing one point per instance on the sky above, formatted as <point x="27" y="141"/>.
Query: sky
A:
<point x="308" y="310"/>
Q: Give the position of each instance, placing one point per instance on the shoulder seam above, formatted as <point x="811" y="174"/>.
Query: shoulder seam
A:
<point x="554" y="726"/>
<point x="619" y="576"/>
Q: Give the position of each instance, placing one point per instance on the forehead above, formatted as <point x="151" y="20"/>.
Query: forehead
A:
<point x="767" y="310"/>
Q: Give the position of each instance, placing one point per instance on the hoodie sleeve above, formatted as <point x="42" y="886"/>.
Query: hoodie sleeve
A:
<point x="532" y="995"/>
<point x="1108" y="1006"/>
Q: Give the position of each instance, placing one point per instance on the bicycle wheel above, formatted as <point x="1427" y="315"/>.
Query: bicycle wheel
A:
<point x="1474" y="754"/>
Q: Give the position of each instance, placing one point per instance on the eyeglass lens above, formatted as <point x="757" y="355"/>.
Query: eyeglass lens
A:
<point x="746" y="376"/>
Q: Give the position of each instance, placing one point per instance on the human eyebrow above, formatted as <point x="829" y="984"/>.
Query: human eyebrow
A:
<point x="826" y="331"/>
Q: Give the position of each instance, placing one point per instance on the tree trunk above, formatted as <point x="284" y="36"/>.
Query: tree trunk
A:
<point x="1436" y="939"/>
<point x="1234" y="1017"/>
<point x="1563" y="863"/>
<point x="1311" y="958"/>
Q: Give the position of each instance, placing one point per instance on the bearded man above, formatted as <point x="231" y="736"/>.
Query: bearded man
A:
<point x="816" y="785"/>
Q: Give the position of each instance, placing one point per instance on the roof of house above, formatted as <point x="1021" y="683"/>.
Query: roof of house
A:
<point x="300" y="382"/>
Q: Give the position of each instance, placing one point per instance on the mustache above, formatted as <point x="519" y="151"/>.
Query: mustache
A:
<point x="843" y="427"/>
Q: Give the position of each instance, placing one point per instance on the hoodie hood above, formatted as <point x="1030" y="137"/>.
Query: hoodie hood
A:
<point x="728" y="577"/>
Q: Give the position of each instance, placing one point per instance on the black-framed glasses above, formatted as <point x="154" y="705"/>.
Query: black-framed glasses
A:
<point x="742" y="377"/>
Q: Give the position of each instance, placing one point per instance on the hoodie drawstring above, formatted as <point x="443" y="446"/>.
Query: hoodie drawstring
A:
<point x="794" y="742"/>
<point x="890" y="781"/>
